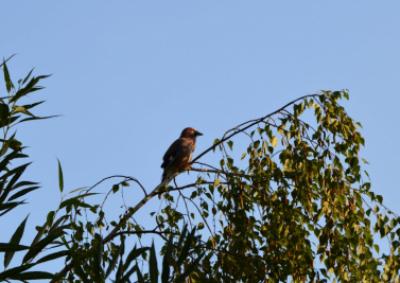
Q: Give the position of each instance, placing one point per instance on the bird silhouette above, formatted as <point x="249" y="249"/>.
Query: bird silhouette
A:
<point x="179" y="154"/>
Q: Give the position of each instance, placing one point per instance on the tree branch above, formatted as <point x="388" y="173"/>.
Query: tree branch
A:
<point x="161" y="188"/>
<point x="236" y="130"/>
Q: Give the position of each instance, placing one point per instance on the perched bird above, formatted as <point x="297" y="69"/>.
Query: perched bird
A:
<point x="179" y="154"/>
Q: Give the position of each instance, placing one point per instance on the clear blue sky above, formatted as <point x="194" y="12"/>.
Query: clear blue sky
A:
<point x="129" y="75"/>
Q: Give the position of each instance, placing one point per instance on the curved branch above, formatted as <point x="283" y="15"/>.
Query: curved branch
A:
<point x="127" y="178"/>
<point x="236" y="130"/>
<point x="162" y="187"/>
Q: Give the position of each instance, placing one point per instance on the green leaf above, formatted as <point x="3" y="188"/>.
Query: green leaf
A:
<point x="82" y="274"/>
<point x="29" y="106"/>
<point x="190" y="268"/>
<point x="4" y="113"/>
<point x="33" y="275"/>
<point x="115" y="188"/>
<point x="7" y="78"/>
<point x="10" y="273"/>
<point x="53" y="256"/>
<point x="34" y="118"/>
<point x="39" y="246"/>
<point x="153" y="268"/>
<point x="230" y="144"/>
<point x="112" y="261"/>
<point x="133" y="254"/>
<point x="167" y="259"/>
<point x="28" y="76"/>
<point x="15" y="239"/>
<point x="8" y="206"/>
<point x="60" y="176"/>
<point x="184" y="249"/>
<point x="76" y="200"/>
<point x="139" y="275"/>
<point x="17" y="172"/>
<point x="128" y="274"/>
<point x="30" y="87"/>
<point x="23" y="192"/>
<point x="6" y="247"/>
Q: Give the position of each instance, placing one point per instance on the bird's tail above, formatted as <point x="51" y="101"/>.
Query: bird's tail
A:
<point x="168" y="175"/>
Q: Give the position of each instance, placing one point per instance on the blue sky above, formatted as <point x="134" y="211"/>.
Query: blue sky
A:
<point x="129" y="75"/>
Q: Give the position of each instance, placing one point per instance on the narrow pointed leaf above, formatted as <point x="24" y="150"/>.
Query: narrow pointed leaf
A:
<point x="23" y="192"/>
<point x="39" y="246"/>
<point x="53" y="256"/>
<point x="33" y="275"/>
<point x="7" y="274"/>
<point x="60" y="177"/>
<point x="139" y="275"/>
<point x="153" y="268"/>
<point x="166" y="262"/>
<point x="7" y="78"/>
<point x="6" y="247"/>
<point x="15" y="239"/>
<point x="133" y="254"/>
<point x="28" y="76"/>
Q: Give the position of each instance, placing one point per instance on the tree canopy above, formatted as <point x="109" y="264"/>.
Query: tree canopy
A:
<point x="287" y="200"/>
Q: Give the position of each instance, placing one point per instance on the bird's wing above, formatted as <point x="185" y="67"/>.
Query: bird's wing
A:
<point x="180" y="148"/>
<point x="171" y="153"/>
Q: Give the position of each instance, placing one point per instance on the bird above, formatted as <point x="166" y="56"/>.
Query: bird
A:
<point x="179" y="154"/>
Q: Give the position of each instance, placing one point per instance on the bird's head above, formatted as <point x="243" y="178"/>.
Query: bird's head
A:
<point x="190" y="133"/>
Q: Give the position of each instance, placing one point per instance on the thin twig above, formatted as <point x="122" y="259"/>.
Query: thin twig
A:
<point x="236" y="130"/>
<point x="127" y="178"/>
<point x="162" y="187"/>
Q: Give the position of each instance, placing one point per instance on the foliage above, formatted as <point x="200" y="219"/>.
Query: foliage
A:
<point x="287" y="201"/>
<point x="14" y="112"/>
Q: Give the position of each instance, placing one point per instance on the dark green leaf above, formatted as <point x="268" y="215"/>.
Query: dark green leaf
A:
<point x="112" y="263"/>
<point x="153" y="268"/>
<point x="60" y="177"/>
<point x="75" y="200"/>
<point x="184" y="251"/>
<point x="190" y="269"/>
<point x="53" y="256"/>
<point x="7" y="78"/>
<point x="139" y="275"/>
<point x="28" y="76"/>
<point x="6" y="247"/>
<point x="9" y="273"/>
<point x="167" y="259"/>
<point x="14" y="241"/>
<point x="29" y="106"/>
<point x="37" y="118"/>
<point x="39" y="246"/>
<point x="4" y="113"/>
<point x="30" y="87"/>
<point x="17" y="174"/>
<point x="32" y="275"/>
<point x="8" y="206"/>
<point x="23" y="192"/>
<point x="133" y="254"/>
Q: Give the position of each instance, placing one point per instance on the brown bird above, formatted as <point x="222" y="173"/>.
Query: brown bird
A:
<point x="179" y="154"/>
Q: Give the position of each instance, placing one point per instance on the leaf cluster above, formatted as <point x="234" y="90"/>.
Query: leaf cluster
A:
<point x="287" y="200"/>
<point x="13" y="189"/>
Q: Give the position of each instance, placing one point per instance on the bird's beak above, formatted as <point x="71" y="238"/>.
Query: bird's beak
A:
<point x="197" y="133"/>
